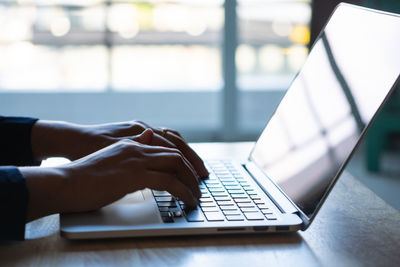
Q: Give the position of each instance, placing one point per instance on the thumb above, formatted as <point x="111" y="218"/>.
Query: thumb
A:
<point x="145" y="137"/>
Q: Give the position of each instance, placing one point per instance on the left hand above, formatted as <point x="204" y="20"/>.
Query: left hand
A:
<point x="50" y="138"/>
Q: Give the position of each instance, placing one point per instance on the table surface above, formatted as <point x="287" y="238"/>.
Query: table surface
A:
<point x="354" y="228"/>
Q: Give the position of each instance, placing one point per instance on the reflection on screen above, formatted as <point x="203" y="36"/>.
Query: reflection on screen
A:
<point x="348" y="74"/>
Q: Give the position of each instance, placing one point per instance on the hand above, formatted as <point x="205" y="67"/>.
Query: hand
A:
<point x="109" y="174"/>
<point x="74" y="141"/>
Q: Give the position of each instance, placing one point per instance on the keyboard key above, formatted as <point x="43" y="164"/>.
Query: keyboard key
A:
<point x="262" y="206"/>
<point x="194" y="215"/>
<point x="245" y="205"/>
<point x="232" y="187"/>
<point x="245" y="210"/>
<point x="254" y="216"/>
<point x="259" y="201"/>
<point x="177" y="213"/>
<point x="267" y="211"/>
<point x="174" y="209"/>
<point x="164" y="199"/>
<point x="161" y="193"/>
<point x="210" y="182"/>
<point x="210" y="209"/>
<point x="219" y="194"/>
<point x="228" y="208"/>
<point x="225" y="177"/>
<point x="204" y="191"/>
<point x="222" y="173"/>
<point x="167" y="217"/>
<point x="222" y="198"/>
<point x="242" y="200"/>
<point x="214" y="190"/>
<point x="167" y="204"/>
<point x="271" y="217"/>
<point x="239" y="217"/>
<point x="207" y="199"/>
<point x="231" y="212"/>
<point x="234" y="183"/>
<point x="214" y="216"/>
<point x="239" y="195"/>
<point x="214" y="186"/>
<point x="230" y="181"/>
<point x="255" y="197"/>
<point x="208" y="204"/>
<point x="225" y="203"/>
<point x="163" y="208"/>
<point x="237" y="190"/>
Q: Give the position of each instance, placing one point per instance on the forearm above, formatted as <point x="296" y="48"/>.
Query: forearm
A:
<point x="53" y="139"/>
<point x="48" y="191"/>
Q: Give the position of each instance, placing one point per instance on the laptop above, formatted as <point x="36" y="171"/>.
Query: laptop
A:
<point x="350" y="72"/>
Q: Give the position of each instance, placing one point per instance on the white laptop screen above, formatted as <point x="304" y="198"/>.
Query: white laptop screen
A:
<point x="348" y="74"/>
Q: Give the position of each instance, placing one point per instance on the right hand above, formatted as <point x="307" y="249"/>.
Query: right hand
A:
<point x="55" y="138"/>
<point x="125" y="167"/>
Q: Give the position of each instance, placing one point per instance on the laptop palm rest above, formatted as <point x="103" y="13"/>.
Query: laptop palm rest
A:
<point x="116" y="216"/>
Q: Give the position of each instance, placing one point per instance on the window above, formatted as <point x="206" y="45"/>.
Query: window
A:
<point x="166" y="62"/>
<point x="272" y="46"/>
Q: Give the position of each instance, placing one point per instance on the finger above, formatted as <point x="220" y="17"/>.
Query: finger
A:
<point x="161" y="131"/>
<point x="168" y="182"/>
<point x="163" y="142"/>
<point x="161" y="149"/>
<point x="160" y="141"/>
<point x="144" y="138"/>
<point x="143" y="124"/>
<point x="175" y="163"/>
<point x="189" y="153"/>
<point x="124" y="129"/>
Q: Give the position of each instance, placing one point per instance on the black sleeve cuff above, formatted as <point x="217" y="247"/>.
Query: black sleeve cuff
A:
<point x="13" y="204"/>
<point x="15" y="141"/>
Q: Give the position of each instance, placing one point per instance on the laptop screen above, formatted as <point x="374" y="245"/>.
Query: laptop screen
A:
<point x="350" y="70"/>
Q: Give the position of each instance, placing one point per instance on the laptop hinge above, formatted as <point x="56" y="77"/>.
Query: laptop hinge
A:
<point x="270" y="189"/>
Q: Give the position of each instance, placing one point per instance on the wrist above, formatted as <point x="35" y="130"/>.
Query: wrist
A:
<point x="53" y="139"/>
<point x="48" y="191"/>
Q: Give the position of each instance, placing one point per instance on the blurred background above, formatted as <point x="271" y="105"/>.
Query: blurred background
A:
<point x="213" y="69"/>
<point x="169" y="63"/>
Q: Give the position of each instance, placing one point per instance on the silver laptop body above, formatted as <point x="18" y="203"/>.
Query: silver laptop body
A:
<point x="348" y="75"/>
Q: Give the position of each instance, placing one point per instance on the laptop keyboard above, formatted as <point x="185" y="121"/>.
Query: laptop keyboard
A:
<point x="226" y="196"/>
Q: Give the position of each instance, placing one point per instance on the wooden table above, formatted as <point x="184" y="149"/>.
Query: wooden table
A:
<point x="354" y="228"/>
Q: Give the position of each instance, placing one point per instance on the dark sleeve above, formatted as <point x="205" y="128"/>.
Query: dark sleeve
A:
<point x="15" y="141"/>
<point x="13" y="203"/>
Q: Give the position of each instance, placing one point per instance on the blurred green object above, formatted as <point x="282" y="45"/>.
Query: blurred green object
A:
<point x="388" y="121"/>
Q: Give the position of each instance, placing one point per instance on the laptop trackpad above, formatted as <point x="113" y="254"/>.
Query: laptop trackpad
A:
<point x="132" y="210"/>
